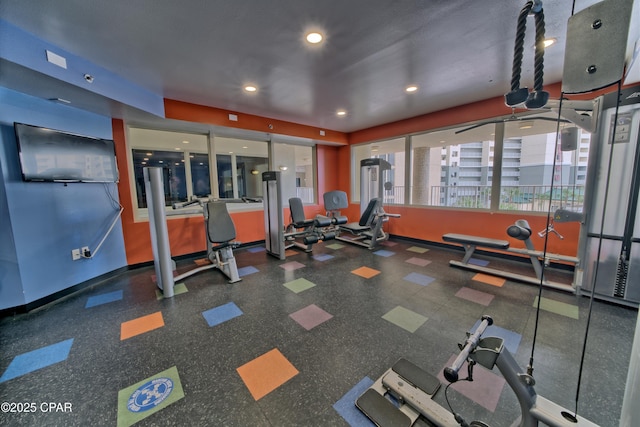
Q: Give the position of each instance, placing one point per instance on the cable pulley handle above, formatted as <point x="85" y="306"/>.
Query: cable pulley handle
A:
<point x="451" y="372"/>
<point x="518" y="96"/>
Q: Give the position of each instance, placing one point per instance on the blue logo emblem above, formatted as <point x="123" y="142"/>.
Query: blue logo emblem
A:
<point x="150" y="395"/>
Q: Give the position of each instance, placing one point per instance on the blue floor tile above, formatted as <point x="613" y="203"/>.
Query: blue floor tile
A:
<point x="511" y="339"/>
<point x="480" y="262"/>
<point x="37" y="359"/>
<point x="323" y="257"/>
<point x="346" y="406"/>
<point x="256" y="249"/>
<point x="419" y="279"/>
<point x="245" y="271"/>
<point x="103" y="299"/>
<point x="221" y="314"/>
<point x="384" y="253"/>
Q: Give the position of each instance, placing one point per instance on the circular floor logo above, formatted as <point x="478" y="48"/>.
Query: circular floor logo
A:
<point x="150" y="395"/>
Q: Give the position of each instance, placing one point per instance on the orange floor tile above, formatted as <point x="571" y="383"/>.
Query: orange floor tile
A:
<point x="365" y="272"/>
<point x="266" y="373"/>
<point x="141" y="325"/>
<point x="489" y="280"/>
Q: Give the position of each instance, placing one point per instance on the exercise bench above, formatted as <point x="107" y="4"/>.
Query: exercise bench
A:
<point x="521" y="231"/>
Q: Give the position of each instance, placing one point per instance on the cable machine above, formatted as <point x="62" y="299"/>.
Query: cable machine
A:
<point x="618" y="279"/>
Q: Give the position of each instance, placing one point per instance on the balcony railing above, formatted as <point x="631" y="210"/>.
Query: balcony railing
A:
<point x="531" y="198"/>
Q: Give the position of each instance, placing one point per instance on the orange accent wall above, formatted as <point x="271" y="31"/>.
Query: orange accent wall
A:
<point x="202" y="114"/>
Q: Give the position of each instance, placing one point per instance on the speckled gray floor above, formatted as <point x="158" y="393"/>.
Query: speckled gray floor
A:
<point x="331" y="358"/>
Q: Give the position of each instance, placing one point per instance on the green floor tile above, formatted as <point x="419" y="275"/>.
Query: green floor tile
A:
<point x="149" y="396"/>
<point x="405" y="318"/>
<point x="299" y="285"/>
<point x="335" y="246"/>
<point x="178" y="288"/>
<point x="558" y="307"/>
<point x="418" y="249"/>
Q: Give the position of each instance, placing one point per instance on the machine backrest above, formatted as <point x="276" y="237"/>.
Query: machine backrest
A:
<point x="220" y="228"/>
<point x="297" y="210"/>
<point x="335" y="200"/>
<point x="370" y="213"/>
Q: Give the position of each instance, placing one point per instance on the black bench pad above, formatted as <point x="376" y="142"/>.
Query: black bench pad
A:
<point x="382" y="412"/>
<point x="417" y="376"/>
<point x="476" y="241"/>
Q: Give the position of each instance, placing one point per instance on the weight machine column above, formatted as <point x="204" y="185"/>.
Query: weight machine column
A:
<point x="154" y="189"/>
<point x="372" y="180"/>
<point x="273" y="216"/>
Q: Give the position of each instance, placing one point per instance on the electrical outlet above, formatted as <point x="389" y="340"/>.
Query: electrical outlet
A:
<point x="85" y="252"/>
<point x="75" y="254"/>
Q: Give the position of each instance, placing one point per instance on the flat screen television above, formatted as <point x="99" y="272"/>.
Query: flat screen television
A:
<point x="57" y="156"/>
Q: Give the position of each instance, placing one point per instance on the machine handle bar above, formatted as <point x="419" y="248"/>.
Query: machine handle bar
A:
<point x="181" y="205"/>
<point x="451" y="372"/>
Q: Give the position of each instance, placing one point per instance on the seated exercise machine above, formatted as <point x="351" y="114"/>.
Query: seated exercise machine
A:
<point x="312" y="230"/>
<point x="220" y="232"/>
<point x="219" y="229"/>
<point x="521" y="231"/>
<point x="301" y="232"/>
<point x="413" y="389"/>
<point x="368" y="231"/>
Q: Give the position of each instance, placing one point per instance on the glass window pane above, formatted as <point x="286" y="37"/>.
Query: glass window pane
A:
<point x="200" y="174"/>
<point x="528" y="172"/>
<point x="450" y="169"/>
<point x="225" y="179"/>
<point x="297" y="170"/>
<point x="240" y="164"/>
<point x="305" y="182"/>
<point x="249" y="175"/>
<point x="172" y="163"/>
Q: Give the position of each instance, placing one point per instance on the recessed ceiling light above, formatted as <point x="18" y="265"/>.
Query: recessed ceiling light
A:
<point x="548" y="42"/>
<point x="250" y="88"/>
<point x="177" y="148"/>
<point x="411" y="89"/>
<point x="314" y="37"/>
<point x="185" y="142"/>
<point x="341" y="113"/>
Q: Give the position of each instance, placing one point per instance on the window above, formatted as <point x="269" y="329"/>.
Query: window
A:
<point x="465" y="170"/>
<point x="182" y="157"/>
<point x="296" y="164"/>
<point x="187" y="171"/>
<point x="528" y="172"/>
<point x="239" y="165"/>
<point x="455" y="167"/>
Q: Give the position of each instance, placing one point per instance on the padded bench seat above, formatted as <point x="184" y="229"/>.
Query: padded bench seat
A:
<point x="465" y="239"/>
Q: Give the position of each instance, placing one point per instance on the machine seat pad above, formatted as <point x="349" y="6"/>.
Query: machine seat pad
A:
<point x="382" y="412"/>
<point x="417" y="376"/>
<point x="355" y="228"/>
<point x="475" y="240"/>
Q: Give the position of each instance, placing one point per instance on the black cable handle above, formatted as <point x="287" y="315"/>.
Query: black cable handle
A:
<point x="518" y="96"/>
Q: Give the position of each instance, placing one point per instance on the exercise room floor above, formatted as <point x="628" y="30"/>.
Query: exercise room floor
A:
<point x="296" y="341"/>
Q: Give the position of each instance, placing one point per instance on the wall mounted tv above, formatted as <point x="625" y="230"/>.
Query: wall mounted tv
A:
<point x="56" y="156"/>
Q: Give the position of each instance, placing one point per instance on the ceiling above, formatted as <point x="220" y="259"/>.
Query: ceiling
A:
<point x="204" y="52"/>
